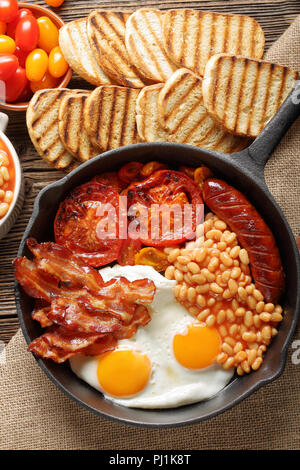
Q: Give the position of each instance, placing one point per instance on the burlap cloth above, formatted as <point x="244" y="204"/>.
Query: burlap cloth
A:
<point x="34" y="414"/>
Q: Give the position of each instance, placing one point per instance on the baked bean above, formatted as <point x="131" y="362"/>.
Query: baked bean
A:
<point x="226" y="294"/>
<point x="276" y="316"/>
<point x="200" y="254"/>
<point x="260" y="306"/>
<point x="227" y="349"/>
<point x="251" y="301"/>
<point x="235" y="272"/>
<point x="249" y="336"/>
<point x="269" y="307"/>
<point x="170" y="271"/>
<point x="265" y="317"/>
<point x="238" y="347"/>
<point x="221" y="246"/>
<point x="5" y="173"/>
<point x="251" y="356"/>
<point x="210" y="320"/>
<point x="274" y="331"/>
<point x="258" y="295"/>
<point x="248" y="318"/>
<point x="234" y="252"/>
<point x="194" y="311"/>
<point x="278" y="309"/>
<point x="173" y="255"/>
<point x="1" y="180"/>
<point x="3" y="209"/>
<point x="191" y="294"/>
<point x="214" y="234"/>
<point x="257" y="363"/>
<point x="210" y="277"/>
<point x="221" y="316"/>
<point x="183" y="292"/>
<point x="193" y="267"/>
<point x="208" y="243"/>
<point x="240" y="312"/>
<point x="229" y="363"/>
<point x="220" y="225"/>
<point x="3" y="159"/>
<point x="199" y="279"/>
<point x="245" y="366"/>
<point x="201" y="301"/>
<point x="226" y="259"/>
<point x="223" y="331"/>
<point x="234" y="329"/>
<point x="213" y="264"/>
<point x="234" y="304"/>
<point x="243" y="255"/>
<point x="229" y="340"/>
<point x="202" y="315"/>
<point x="2" y="194"/>
<point x="230" y="315"/>
<point x="183" y="259"/>
<point x="233" y="286"/>
<point x="211" y="302"/>
<point x="214" y="287"/>
<point x="266" y="332"/>
<point x="240" y="356"/>
<point x="202" y="289"/>
<point x="222" y="357"/>
<point x="240" y="371"/>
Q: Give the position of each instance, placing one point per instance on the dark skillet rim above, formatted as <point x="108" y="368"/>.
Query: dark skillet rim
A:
<point x="284" y="350"/>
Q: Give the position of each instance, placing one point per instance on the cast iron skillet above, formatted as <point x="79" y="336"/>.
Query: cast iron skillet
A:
<point x="245" y="171"/>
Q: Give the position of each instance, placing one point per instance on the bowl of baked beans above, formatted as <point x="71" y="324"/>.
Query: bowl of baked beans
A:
<point x="11" y="187"/>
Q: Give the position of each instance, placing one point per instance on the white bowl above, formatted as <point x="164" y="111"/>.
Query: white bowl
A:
<point x="15" y="207"/>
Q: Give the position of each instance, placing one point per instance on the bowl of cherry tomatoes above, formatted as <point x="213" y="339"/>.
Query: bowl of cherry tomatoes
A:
<point x="30" y="56"/>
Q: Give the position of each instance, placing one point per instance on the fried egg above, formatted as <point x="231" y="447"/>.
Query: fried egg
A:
<point x="168" y="363"/>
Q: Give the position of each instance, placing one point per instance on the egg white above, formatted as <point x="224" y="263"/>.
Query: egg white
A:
<point x="170" y="384"/>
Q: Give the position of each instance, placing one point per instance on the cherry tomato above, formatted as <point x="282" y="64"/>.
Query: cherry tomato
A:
<point x="16" y="85"/>
<point x="47" y="82"/>
<point x="164" y="188"/>
<point x="2" y="27"/>
<point x="21" y="55"/>
<point x="27" y="33"/>
<point x="8" y="10"/>
<point x="7" y="44"/>
<point x="154" y="257"/>
<point x="131" y="172"/>
<point x="11" y="27"/>
<point x="36" y="65"/>
<point x="48" y="34"/>
<point x="58" y="65"/>
<point x="80" y="225"/>
<point x="55" y="3"/>
<point x="8" y="65"/>
<point x="26" y="94"/>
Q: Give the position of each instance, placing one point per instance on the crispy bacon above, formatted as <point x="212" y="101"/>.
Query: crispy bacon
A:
<point x="86" y="315"/>
<point x="140" y="318"/>
<point x="73" y="316"/>
<point x="66" y="267"/>
<point x="40" y="314"/>
<point x="60" y="344"/>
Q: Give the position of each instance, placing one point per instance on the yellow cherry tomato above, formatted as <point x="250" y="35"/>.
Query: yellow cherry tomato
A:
<point x="2" y="27"/>
<point x="36" y="65"/>
<point x="7" y="44"/>
<point x="58" y="65"/>
<point x="48" y="34"/>
<point x="152" y="257"/>
<point x="55" y="3"/>
<point x="47" y="82"/>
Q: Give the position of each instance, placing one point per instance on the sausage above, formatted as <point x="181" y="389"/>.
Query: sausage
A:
<point x="253" y="234"/>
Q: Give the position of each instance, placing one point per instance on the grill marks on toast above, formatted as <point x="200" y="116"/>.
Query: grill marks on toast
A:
<point x="71" y="127"/>
<point x="42" y="124"/>
<point x="191" y="37"/>
<point x="244" y="94"/>
<point x="110" y="116"/>
<point x="144" y="43"/>
<point x="147" y="120"/>
<point x="106" y="32"/>
<point x="74" y="43"/>
<point x="185" y="118"/>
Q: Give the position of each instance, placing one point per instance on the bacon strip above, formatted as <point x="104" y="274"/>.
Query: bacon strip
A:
<point x="59" y="262"/>
<point x="74" y="317"/>
<point x="40" y="314"/>
<point x="60" y="344"/>
<point x="140" y="318"/>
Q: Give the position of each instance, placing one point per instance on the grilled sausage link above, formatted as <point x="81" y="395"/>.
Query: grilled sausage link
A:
<point x="253" y="234"/>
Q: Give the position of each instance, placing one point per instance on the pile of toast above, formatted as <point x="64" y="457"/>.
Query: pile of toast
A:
<point x="186" y="76"/>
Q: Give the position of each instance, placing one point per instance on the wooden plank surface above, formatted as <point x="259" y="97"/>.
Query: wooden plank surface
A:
<point x="274" y="17"/>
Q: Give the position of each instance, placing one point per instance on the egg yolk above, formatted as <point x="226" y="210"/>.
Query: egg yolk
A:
<point x="123" y="372"/>
<point x="197" y="347"/>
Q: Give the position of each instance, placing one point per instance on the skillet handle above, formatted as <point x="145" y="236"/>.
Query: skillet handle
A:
<point x="263" y="146"/>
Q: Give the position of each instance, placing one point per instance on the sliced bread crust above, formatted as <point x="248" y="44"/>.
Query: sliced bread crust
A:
<point x="75" y="46"/>
<point x="147" y="118"/>
<point x="191" y="37"/>
<point x="185" y="118"/>
<point x="244" y="94"/>
<point x="109" y="116"/>
<point x="144" y="43"/>
<point x="71" y="127"/>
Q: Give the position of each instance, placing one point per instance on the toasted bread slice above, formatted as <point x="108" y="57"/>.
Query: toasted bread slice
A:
<point x="42" y="123"/>
<point x="185" y="118"/>
<point x="71" y="127"/>
<point x="75" y="46"/>
<point x="144" y="43"/>
<point x="109" y="116"/>
<point x="244" y="94"/>
<point x="106" y="33"/>
<point x="147" y="121"/>
<point x="191" y="37"/>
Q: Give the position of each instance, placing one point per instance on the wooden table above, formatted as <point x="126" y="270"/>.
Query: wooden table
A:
<point x="274" y="16"/>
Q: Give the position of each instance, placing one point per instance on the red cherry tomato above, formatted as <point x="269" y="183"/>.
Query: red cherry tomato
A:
<point x="2" y="27"/>
<point x="26" y="94"/>
<point x="21" y="55"/>
<point x="131" y="172"/>
<point x="16" y="85"/>
<point x="8" y="66"/>
<point x="8" y="10"/>
<point x="11" y="27"/>
<point x="27" y="33"/>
